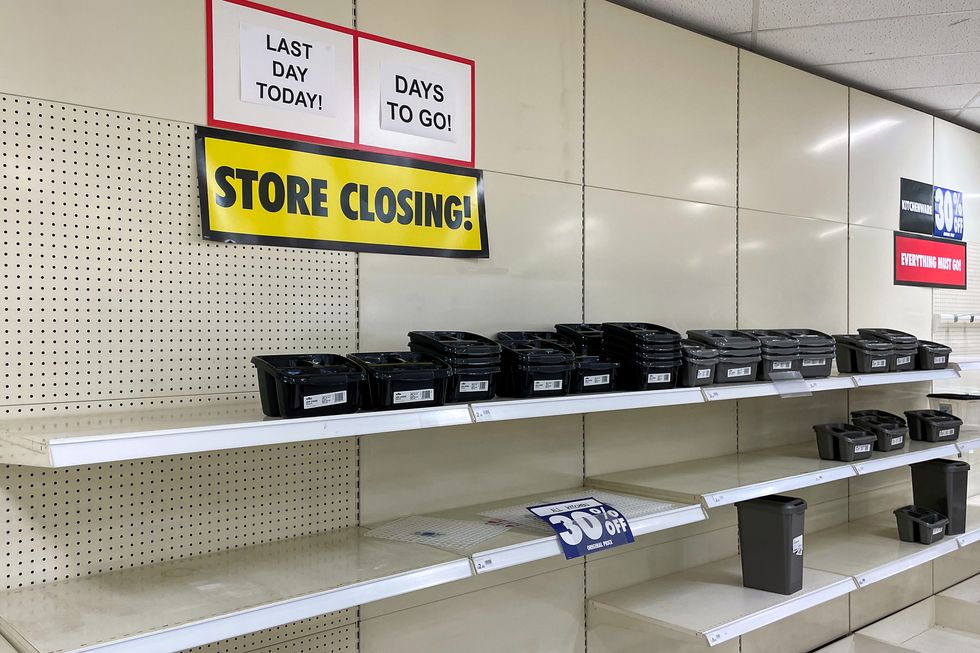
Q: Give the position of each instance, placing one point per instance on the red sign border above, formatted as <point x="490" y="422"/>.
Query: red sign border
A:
<point x="920" y="284"/>
<point x="357" y="35"/>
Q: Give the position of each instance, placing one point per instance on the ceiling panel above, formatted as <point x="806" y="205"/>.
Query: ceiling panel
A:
<point x="775" y="14"/>
<point x="938" y="97"/>
<point x="712" y="16"/>
<point x="970" y="117"/>
<point x="915" y="72"/>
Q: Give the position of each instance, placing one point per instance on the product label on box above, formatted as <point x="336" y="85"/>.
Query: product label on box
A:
<point x="902" y="360"/>
<point x="414" y="396"/>
<point x="544" y="386"/>
<point x="474" y="386"/>
<point x="705" y="374"/>
<point x="598" y="379"/>
<point x="898" y="441"/>
<point x="780" y="365"/>
<point x="813" y="362"/>
<point x="937" y="531"/>
<point x="736" y="372"/>
<point x="585" y="525"/>
<point x="939" y="360"/>
<point x="798" y="545"/>
<point x="326" y="399"/>
<point x="862" y="448"/>
<point x="945" y="433"/>
<point x="879" y="362"/>
<point x="658" y="378"/>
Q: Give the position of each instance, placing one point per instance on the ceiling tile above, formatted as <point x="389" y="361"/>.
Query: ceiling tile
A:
<point x="878" y="39"/>
<point x="971" y="117"/>
<point x="774" y="14"/>
<point x="939" y="70"/>
<point x="938" y="97"/>
<point x="711" y="16"/>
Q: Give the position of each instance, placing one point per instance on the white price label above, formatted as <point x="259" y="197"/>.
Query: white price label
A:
<point x="937" y="531"/>
<point x="879" y="362"/>
<point x="814" y="362"/>
<point x="902" y="360"/>
<point x="782" y="365"/>
<point x="326" y="399"/>
<point x="736" y="372"/>
<point x="798" y="545"/>
<point x="414" y="396"/>
<point x="939" y="360"/>
<point x="598" y="379"/>
<point x="898" y="441"/>
<point x="945" y="433"/>
<point x="544" y="386"/>
<point x="474" y="386"/>
<point x="705" y="374"/>
<point x="862" y="448"/>
<point x="658" y="378"/>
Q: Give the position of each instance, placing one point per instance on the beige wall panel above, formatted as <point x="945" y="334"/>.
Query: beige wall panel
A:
<point x="888" y="478"/>
<point x="873" y="299"/>
<point x="820" y="516"/>
<point x="792" y="141"/>
<point x="891" y="398"/>
<point x="658" y="260"/>
<point x="885" y="597"/>
<point x="631" y="439"/>
<point x="532" y="279"/>
<point x="792" y="272"/>
<point x="659" y="108"/>
<point x="528" y="74"/>
<point x="883" y="499"/>
<point x="135" y="56"/>
<point x="613" y="639"/>
<point x="416" y="472"/>
<point x="888" y="142"/>
<point x="801" y="632"/>
<point x="542" y="614"/>
<point x="956" y="567"/>
<point x="957" y="166"/>
<point x="774" y="421"/>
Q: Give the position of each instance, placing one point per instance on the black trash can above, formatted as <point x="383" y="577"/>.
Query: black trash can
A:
<point x="941" y="485"/>
<point x="770" y="536"/>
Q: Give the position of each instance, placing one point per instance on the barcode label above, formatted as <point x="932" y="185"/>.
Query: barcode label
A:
<point x="902" y="360"/>
<point x="543" y="386"/>
<point x="798" y="545"/>
<point x="879" y="362"/>
<point x="897" y="441"/>
<point x="862" y="448"/>
<point x="813" y="362"/>
<point x="326" y="399"/>
<point x="945" y="433"/>
<point x="474" y="386"/>
<point x="782" y="365"/>
<point x="598" y="379"/>
<point x="739" y="371"/>
<point x="658" y="378"/>
<point x="939" y="359"/>
<point x="705" y="374"/>
<point x="937" y="531"/>
<point x="414" y="396"/>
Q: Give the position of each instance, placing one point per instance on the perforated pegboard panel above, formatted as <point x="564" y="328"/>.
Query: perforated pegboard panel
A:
<point x="109" y="293"/>
<point x="963" y="339"/>
<point x="317" y="635"/>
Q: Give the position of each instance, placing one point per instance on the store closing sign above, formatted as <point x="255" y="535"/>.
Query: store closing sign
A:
<point x="585" y="525"/>
<point x="262" y="191"/>
<point x="930" y="262"/>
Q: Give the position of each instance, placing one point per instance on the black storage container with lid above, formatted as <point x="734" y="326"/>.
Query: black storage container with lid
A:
<point x="534" y="368"/>
<point x="699" y="363"/>
<point x="404" y="379"/>
<point x="770" y="535"/>
<point x="586" y="338"/>
<point x="308" y="385"/>
<point x="860" y="354"/>
<point x="891" y="430"/>
<point x="474" y="360"/>
<point x="919" y="525"/>
<point x="933" y="425"/>
<point x="844" y="442"/>
<point x="941" y="485"/>
<point x="932" y="356"/>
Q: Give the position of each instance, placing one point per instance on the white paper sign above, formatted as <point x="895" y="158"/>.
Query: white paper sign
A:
<point x="286" y="71"/>
<point x="418" y="101"/>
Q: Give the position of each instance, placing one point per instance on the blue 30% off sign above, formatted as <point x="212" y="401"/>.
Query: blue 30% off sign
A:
<point x="585" y="525"/>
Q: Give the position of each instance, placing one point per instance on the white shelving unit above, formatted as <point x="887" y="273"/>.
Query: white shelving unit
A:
<point x="72" y="440"/>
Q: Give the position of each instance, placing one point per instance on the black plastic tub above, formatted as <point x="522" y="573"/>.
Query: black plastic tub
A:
<point x="880" y="414"/>
<point x="843" y="442"/>
<point x="309" y="385"/>
<point x="903" y="358"/>
<point x="586" y="338"/>
<point x="890" y="335"/>
<point x="779" y="363"/>
<point x="659" y="353"/>
<point x="520" y="336"/>
<point x="890" y="434"/>
<point x="536" y="351"/>
<point x="816" y="363"/>
<point x="699" y="363"/>
<point x="932" y="356"/>
<point x="594" y="374"/>
<point x="638" y="374"/>
<point x="859" y="354"/>
<point x="941" y="485"/>
<point x="522" y="381"/>
<point x="933" y="425"/>
<point x="455" y="343"/>
<point x="774" y="341"/>
<point x="404" y="379"/>
<point x="726" y="339"/>
<point x="737" y="369"/>
<point x="640" y="333"/>
<point x="918" y="525"/>
<point x="615" y="343"/>
<point x="472" y="384"/>
<point x="808" y="338"/>
<point x="770" y="535"/>
<point x="457" y="361"/>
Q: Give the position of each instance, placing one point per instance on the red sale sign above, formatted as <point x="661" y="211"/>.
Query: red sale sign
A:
<point x="930" y="262"/>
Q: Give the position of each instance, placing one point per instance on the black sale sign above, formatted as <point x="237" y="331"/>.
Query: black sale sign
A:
<point x="916" y="207"/>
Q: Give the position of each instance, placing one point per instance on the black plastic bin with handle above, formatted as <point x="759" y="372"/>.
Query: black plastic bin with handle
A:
<point x="770" y="536"/>
<point x="941" y="485"/>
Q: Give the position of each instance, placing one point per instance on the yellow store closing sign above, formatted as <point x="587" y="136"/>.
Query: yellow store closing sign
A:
<point x="263" y="191"/>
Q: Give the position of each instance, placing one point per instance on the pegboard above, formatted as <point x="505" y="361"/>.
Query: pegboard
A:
<point x="964" y="339"/>
<point x="109" y="293"/>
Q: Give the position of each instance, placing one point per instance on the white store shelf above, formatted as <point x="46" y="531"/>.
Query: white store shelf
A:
<point x="175" y="605"/>
<point x="886" y="378"/>
<point x="507" y="409"/>
<point x="966" y="363"/>
<point x="915" y="451"/>
<point x="710" y="603"/>
<point x="726" y="392"/>
<point x="972" y="534"/>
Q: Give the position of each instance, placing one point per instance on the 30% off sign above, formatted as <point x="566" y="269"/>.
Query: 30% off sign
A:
<point x="585" y="525"/>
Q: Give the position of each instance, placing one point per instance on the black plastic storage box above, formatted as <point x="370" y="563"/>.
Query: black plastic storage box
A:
<point x="891" y="430"/>
<point x="770" y="535"/>
<point x="455" y="343"/>
<point x="843" y="442"/>
<point x="649" y="355"/>
<point x="858" y="354"/>
<point x="404" y="379"/>
<point x="647" y="372"/>
<point x="593" y="374"/>
<point x="473" y="359"/>
<point x="535" y="368"/>
<point x="933" y="425"/>
<point x="905" y="347"/>
<point x="309" y="385"/>
<point x="640" y="333"/>
<point x="739" y="354"/>
<point x="586" y="338"/>
<point x="817" y="351"/>
<point x="699" y="363"/>
<point x="941" y="485"/>
<point x="918" y="525"/>
<point x="932" y="356"/>
<point x="780" y="353"/>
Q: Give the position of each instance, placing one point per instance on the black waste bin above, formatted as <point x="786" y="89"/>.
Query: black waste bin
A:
<point x="941" y="485"/>
<point x="770" y="535"/>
